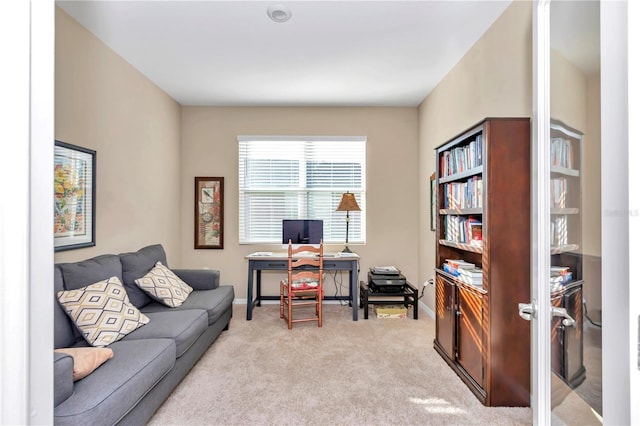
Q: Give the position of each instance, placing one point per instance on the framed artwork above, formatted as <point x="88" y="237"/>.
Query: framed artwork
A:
<point x="433" y="202"/>
<point x="209" y="213"/>
<point x="74" y="197"/>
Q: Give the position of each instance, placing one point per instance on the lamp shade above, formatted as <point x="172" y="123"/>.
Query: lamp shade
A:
<point x="348" y="203"/>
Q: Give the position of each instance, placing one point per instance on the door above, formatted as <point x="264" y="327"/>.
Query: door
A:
<point x="470" y="335"/>
<point x="566" y="384"/>
<point x="445" y="306"/>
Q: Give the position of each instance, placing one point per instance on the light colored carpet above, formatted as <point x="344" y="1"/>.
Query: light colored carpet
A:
<point x="370" y="372"/>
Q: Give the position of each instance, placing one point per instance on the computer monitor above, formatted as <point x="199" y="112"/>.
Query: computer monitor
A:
<point x="301" y="231"/>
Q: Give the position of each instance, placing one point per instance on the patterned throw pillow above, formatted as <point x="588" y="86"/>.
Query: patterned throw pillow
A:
<point x="102" y="311"/>
<point x="163" y="285"/>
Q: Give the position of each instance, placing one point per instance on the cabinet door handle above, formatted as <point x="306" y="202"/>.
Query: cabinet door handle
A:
<point x="568" y="321"/>
<point x="527" y="311"/>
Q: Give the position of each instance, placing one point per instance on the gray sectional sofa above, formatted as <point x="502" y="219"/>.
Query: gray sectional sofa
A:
<point x="149" y="362"/>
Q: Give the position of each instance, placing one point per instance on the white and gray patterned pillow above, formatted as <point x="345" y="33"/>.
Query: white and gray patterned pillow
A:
<point x="102" y="311"/>
<point x="162" y="284"/>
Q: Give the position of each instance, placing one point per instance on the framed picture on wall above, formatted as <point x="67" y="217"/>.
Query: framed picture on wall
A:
<point x="433" y="201"/>
<point x="74" y="197"/>
<point x="209" y="213"/>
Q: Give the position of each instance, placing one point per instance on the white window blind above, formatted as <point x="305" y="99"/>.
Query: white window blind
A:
<point x="300" y="178"/>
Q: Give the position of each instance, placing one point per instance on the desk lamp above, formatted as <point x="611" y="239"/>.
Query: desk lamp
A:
<point x="347" y="204"/>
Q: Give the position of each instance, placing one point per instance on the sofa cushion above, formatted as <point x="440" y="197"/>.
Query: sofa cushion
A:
<point x="102" y="311"/>
<point x="86" y="360"/>
<point x="135" y="265"/>
<point x="183" y="327"/>
<point x="164" y="286"/>
<point x="108" y="394"/>
<point x="215" y="302"/>
<point x="86" y="272"/>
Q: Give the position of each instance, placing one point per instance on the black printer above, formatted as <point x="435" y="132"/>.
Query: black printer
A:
<point x="386" y="279"/>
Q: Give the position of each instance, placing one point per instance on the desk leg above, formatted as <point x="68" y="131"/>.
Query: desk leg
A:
<point x="250" y="291"/>
<point x="353" y="289"/>
<point x="365" y="303"/>
<point x="258" y="287"/>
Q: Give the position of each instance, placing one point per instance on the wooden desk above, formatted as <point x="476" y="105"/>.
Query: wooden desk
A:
<point x="279" y="262"/>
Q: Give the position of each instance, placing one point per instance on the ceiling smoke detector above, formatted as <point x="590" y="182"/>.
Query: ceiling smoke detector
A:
<point x="279" y="13"/>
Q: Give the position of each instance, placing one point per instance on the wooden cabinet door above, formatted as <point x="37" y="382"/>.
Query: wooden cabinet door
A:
<point x="470" y="335"/>
<point x="445" y="302"/>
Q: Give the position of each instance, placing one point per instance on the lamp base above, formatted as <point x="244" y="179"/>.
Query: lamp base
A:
<point x="346" y="250"/>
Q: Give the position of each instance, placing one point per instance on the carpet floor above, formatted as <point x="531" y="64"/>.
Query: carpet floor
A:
<point x="367" y="372"/>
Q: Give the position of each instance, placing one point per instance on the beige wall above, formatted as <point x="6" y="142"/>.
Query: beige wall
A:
<point x="493" y="79"/>
<point x="210" y="148"/>
<point x="103" y="103"/>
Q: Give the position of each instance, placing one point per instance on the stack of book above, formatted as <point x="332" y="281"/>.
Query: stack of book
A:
<point x="471" y="276"/>
<point x="462" y="158"/>
<point x="561" y="153"/>
<point x="463" y="195"/>
<point x="463" y="229"/>
<point x="560" y="275"/>
<point x="454" y="266"/>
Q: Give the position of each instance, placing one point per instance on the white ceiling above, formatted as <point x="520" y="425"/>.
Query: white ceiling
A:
<point x="330" y="53"/>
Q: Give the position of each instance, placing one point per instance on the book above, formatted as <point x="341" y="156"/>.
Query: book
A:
<point x="477" y="281"/>
<point x="450" y="269"/>
<point x="471" y="272"/>
<point x="459" y="263"/>
<point x="471" y="276"/>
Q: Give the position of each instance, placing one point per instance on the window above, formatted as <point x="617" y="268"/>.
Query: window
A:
<point x="299" y="178"/>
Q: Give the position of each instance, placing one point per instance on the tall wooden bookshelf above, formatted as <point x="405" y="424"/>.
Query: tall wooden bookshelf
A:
<point x="566" y="252"/>
<point x="483" y="176"/>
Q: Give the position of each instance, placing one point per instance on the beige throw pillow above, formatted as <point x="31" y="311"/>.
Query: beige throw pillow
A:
<point x="85" y="360"/>
<point x="102" y="311"/>
<point x="162" y="284"/>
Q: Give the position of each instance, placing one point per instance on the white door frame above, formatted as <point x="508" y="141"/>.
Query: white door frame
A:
<point x="540" y="218"/>
<point x="27" y="34"/>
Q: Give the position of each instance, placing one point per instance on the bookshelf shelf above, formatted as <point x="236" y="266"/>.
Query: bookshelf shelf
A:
<point x="565" y="171"/>
<point x="567" y="248"/>
<point x="474" y="211"/>
<point x="463" y="175"/>
<point x="475" y="322"/>
<point x="558" y="210"/>
<point x="461" y="246"/>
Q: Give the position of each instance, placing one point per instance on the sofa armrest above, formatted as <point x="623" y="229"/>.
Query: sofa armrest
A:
<point x="62" y="377"/>
<point x="199" y="279"/>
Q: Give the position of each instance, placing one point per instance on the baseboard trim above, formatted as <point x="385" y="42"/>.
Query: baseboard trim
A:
<point x="423" y="307"/>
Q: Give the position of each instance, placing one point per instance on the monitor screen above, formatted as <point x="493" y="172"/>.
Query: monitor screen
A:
<point x="301" y="231"/>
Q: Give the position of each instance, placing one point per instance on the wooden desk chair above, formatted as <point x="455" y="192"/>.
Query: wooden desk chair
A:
<point x="303" y="285"/>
